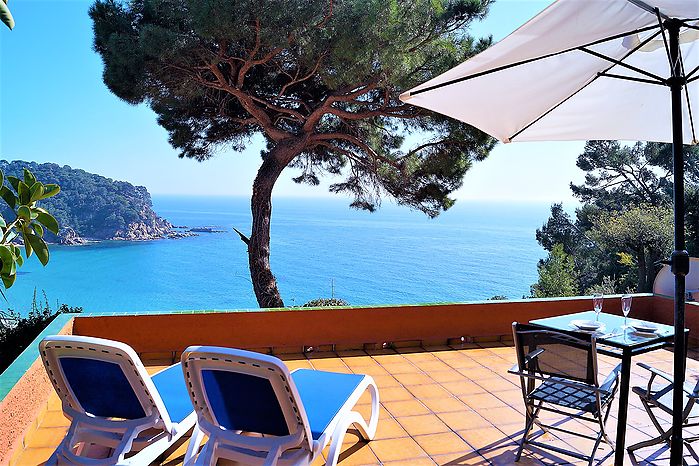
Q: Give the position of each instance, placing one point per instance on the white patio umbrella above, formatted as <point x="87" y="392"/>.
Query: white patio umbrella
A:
<point x="591" y="69"/>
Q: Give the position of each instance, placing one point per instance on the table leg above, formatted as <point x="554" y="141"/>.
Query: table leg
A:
<point x="620" y="452"/>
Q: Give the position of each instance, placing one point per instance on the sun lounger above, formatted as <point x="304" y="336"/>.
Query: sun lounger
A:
<point x="112" y="402"/>
<point x="258" y="413"/>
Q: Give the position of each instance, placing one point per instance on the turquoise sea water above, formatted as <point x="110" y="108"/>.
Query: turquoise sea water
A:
<point x="472" y="252"/>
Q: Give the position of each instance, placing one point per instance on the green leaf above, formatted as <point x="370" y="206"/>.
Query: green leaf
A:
<point x="8" y="280"/>
<point x="39" y="246"/>
<point x="23" y="192"/>
<point x="50" y="190"/>
<point x="6" y="17"/>
<point x="36" y="191"/>
<point x="7" y="259"/>
<point x="29" y="177"/>
<point x="38" y="229"/>
<point x="27" y="245"/>
<point x="3" y="224"/>
<point x="8" y="196"/>
<point x="19" y="259"/>
<point x="14" y="182"/>
<point x="2" y="177"/>
<point x="23" y="212"/>
<point x="48" y="221"/>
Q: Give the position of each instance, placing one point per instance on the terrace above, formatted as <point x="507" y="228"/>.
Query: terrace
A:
<point x="441" y="370"/>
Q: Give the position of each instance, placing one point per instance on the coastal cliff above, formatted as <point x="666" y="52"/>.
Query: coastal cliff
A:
<point x="93" y="208"/>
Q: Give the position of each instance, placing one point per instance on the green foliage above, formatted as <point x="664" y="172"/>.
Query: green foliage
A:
<point x="640" y="236"/>
<point x="498" y="297"/>
<point x="324" y="77"/>
<point x="91" y="205"/>
<point x="556" y="275"/>
<point x="26" y="222"/>
<point x="326" y="302"/>
<point x="17" y="331"/>
<point x="5" y="15"/>
<point x="625" y="224"/>
<point x="606" y="287"/>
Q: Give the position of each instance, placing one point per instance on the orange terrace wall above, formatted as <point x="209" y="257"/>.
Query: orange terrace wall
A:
<point x="286" y="330"/>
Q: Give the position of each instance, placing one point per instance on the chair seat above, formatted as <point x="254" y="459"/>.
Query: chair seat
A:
<point x="323" y="394"/>
<point x="573" y="397"/>
<point x="173" y="391"/>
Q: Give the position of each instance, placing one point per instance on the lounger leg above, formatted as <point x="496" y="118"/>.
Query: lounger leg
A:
<point x="339" y="434"/>
<point x="207" y="455"/>
<point x="368" y="431"/>
<point x="193" y="447"/>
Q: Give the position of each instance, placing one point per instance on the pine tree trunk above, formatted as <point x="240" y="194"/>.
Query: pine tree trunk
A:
<point x="263" y="282"/>
<point x="642" y="272"/>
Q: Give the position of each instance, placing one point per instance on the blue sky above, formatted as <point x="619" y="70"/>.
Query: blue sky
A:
<point x="55" y="108"/>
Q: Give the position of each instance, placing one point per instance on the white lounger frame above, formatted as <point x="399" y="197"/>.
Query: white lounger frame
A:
<point x="296" y="449"/>
<point x="122" y="436"/>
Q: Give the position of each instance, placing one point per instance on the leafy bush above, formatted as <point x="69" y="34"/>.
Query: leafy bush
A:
<point x="17" y="332"/>
<point x="326" y="302"/>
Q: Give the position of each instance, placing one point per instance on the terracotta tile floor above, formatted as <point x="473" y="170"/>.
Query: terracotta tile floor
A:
<point x="440" y="405"/>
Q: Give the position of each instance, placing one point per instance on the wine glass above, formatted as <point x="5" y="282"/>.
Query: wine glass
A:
<point x="626" y="308"/>
<point x="597" y="300"/>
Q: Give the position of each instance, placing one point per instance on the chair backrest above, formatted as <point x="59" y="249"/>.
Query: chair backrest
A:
<point x="563" y="354"/>
<point x="102" y="379"/>
<point x="237" y="390"/>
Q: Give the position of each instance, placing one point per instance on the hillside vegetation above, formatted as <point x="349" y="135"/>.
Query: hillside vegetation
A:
<point x="93" y="207"/>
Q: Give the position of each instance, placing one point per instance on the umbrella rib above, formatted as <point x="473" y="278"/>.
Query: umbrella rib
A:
<point x="667" y="46"/>
<point x="692" y="72"/>
<point x="641" y="44"/>
<point x="624" y="65"/>
<point x="644" y="6"/>
<point x="630" y="78"/>
<point x="689" y="102"/>
<point x="530" y="60"/>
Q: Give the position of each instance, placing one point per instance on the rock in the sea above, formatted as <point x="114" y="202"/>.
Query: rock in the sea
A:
<point x="68" y="236"/>
<point x="149" y="226"/>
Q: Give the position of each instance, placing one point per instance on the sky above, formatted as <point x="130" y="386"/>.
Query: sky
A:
<point x="54" y="107"/>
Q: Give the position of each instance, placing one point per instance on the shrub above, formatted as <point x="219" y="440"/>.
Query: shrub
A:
<point x="17" y="331"/>
<point x="326" y="302"/>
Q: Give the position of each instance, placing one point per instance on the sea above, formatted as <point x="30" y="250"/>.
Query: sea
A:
<point x="320" y="248"/>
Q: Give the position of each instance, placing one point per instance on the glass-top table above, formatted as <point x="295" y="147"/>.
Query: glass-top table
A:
<point x="615" y="341"/>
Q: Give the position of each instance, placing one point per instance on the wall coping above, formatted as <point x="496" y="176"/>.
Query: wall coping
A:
<point x="328" y="308"/>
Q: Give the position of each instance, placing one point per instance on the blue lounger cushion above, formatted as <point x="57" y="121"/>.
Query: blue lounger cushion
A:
<point x="172" y="388"/>
<point x="104" y="391"/>
<point x="244" y="402"/>
<point x="101" y="388"/>
<point x="323" y="394"/>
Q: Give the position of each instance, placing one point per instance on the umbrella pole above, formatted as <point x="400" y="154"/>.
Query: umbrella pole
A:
<point x="680" y="257"/>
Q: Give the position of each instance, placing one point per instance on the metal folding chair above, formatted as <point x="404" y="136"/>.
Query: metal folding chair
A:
<point x="558" y="374"/>
<point x="657" y="398"/>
